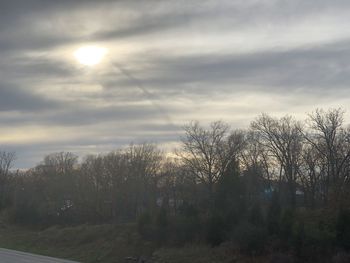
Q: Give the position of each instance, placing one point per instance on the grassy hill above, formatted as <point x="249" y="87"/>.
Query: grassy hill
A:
<point x="85" y="243"/>
<point x="108" y="244"/>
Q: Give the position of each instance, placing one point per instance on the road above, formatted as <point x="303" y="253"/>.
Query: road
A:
<point x="12" y="256"/>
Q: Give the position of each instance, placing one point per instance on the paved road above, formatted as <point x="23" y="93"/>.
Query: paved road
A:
<point x="12" y="256"/>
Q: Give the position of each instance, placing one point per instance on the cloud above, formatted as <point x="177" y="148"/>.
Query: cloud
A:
<point x="35" y="24"/>
<point x="308" y="69"/>
<point x="201" y="60"/>
<point x="13" y="98"/>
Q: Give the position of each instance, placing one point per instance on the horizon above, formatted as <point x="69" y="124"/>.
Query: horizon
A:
<point x="169" y="149"/>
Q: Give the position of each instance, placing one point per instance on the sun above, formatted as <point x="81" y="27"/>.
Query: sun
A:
<point x="90" y="55"/>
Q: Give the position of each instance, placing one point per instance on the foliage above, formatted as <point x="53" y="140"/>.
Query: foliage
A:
<point x="250" y="238"/>
<point x="273" y="215"/>
<point x="256" y="215"/>
<point x="343" y="229"/>
<point x="216" y="230"/>
<point x="144" y="224"/>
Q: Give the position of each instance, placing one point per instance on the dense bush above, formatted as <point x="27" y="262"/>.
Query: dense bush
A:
<point x="144" y="225"/>
<point x="286" y="224"/>
<point x="341" y="257"/>
<point x="256" y="215"/>
<point x="162" y="226"/>
<point x="184" y="230"/>
<point x="170" y="229"/>
<point x="250" y="239"/>
<point x="312" y="242"/>
<point x="273" y="215"/>
<point x="216" y="230"/>
<point x="25" y="214"/>
<point x="343" y="229"/>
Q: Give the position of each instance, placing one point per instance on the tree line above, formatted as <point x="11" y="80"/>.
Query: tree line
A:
<point x="278" y="178"/>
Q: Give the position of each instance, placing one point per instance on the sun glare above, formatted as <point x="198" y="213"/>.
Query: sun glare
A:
<point x="90" y="55"/>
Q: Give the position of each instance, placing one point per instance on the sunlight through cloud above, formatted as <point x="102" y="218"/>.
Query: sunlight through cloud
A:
<point x="90" y="55"/>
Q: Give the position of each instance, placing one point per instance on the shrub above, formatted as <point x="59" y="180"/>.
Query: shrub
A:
<point x="273" y="215"/>
<point x="26" y="214"/>
<point x="299" y="238"/>
<point x="312" y="241"/>
<point x="281" y="258"/>
<point x="162" y="218"/>
<point x="188" y="210"/>
<point x="144" y="225"/>
<point x="162" y="226"/>
<point x="343" y="229"/>
<point x="286" y="224"/>
<point x="185" y="229"/>
<point x="251" y="239"/>
<point x="216" y="230"/>
<point x="256" y="216"/>
<point x="341" y="257"/>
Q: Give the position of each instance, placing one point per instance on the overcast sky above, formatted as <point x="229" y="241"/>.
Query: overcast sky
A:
<point x="181" y="60"/>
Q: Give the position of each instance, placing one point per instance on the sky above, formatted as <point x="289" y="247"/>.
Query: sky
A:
<point x="167" y="63"/>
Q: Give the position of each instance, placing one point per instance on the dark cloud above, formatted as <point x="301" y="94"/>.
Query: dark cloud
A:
<point x="39" y="67"/>
<point x="13" y="98"/>
<point x="314" y="68"/>
<point x="81" y="116"/>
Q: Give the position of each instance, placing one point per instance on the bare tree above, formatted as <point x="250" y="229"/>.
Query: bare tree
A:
<point x="312" y="173"/>
<point x="6" y="163"/>
<point x="283" y="139"/>
<point x="257" y="158"/>
<point x="58" y="173"/>
<point x="94" y="187"/>
<point x="144" y="167"/>
<point x="207" y="152"/>
<point x="61" y="163"/>
<point x="331" y="140"/>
